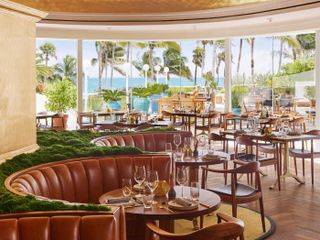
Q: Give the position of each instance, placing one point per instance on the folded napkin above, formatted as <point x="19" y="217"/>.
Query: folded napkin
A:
<point x="118" y="200"/>
<point x="184" y="202"/>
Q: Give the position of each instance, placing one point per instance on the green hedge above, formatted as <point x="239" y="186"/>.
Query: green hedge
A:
<point x="54" y="146"/>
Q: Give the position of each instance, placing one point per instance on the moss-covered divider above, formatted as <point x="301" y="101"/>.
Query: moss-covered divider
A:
<point x="54" y="146"/>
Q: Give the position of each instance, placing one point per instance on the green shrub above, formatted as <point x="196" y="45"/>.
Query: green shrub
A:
<point x="55" y="146"/>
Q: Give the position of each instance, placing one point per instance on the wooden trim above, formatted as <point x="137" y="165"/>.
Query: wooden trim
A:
<point x="9" y="155"/>
<point x="34" y="14"/>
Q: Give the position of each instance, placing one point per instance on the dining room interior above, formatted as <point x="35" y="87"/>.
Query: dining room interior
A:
<point x="145" y="120"/>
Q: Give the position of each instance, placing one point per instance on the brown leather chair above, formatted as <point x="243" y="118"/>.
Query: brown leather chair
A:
<point x="83" y="180"/>
<point x="57" y="225"/>
<point x="148" y="141"/>
<point x="231" y="229"/>
<point x="238" y="193"/>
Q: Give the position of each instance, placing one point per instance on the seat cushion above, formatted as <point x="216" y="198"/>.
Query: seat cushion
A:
<point x="303" y="153"/>
<point x="241" y="190"/>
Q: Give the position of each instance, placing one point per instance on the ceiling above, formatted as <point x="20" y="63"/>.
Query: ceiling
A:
<point x="132" y="6"/>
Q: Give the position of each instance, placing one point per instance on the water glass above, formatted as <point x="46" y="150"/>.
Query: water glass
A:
<point x="177" y="156"/>
<point x="195" y="191"/>
<point x="211" y="148"/>
<point x="126" y="187"/>
<point x="168" y="147"/>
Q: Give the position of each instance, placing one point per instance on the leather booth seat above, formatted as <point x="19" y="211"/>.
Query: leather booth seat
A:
<point x="58" y="225"/>
<point x="148" y="141"/>
<point x="83" y="180"/>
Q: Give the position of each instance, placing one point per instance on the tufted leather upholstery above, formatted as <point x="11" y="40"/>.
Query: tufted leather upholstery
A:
<point x="149" y="141"/>
<point x="83" y="180"/>
<point x="61" y="225"/>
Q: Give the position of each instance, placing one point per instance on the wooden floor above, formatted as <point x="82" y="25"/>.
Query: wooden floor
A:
<point x="295" y="209"/>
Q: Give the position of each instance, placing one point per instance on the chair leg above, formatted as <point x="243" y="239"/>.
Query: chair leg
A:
<point x="303" y="167"/>
<point x="312" y="170"/>
<point x="278" y="175"/>
<point x="262" y="214"/>
<point x="225" y="167"/>
<point x="295" y="165"/>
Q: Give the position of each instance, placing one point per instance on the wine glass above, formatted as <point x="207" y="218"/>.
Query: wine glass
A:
<point x="182" y="176"/>
<point x="126" y="187"/>
<point x="202" y="143"/>
<point x="177" y="140"/>
<point x="152" y="181"/>
<point x="140" y="176"/>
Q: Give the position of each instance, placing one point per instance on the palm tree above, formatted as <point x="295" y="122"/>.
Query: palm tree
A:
<point x="251" y="42"/>
<point x="293" y="43"/>
<point x="160" y="44"/>
<point x="42" y="71"/>
<point x="197" y="59"/>
<point x="239" y="55"/>
<point x="48" y="50"/>
<point x="100" y="48"/>
<point x="221" y="58"/>
<point x="176" y="63"/>
<point x="108" y="54"/>
<point x="216" y="45"/>
<point x="68" y="68"/>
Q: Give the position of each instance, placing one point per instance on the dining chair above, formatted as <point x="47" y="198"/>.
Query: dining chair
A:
<point x="229" y="119"/>
<point x="304" y="153"/>
<point x="85" y="120"/>
<point x="237" y="193"/>
<point x="298" y="124"/>
<point x="252" y="152"/>
<point x="227" y="228"/>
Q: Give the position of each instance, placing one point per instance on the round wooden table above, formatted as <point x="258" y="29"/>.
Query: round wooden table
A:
<point x="196" y="162"/>
<point x="139" y="215"/>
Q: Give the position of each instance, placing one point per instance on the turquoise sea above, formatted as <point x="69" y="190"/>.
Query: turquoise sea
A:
<point x="120" y="83"/>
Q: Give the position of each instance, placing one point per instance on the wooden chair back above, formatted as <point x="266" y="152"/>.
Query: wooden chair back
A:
<point x="231" y="229"/>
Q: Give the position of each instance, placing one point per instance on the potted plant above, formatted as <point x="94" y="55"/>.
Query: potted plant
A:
<point x="141" y="100"/>
<point x="112" y="98"/>
<point x="62" y="96"/>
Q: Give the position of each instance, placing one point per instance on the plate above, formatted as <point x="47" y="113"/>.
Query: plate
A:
<point x="173" y="205"/>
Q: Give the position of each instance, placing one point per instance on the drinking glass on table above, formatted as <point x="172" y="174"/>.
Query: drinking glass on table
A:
<point x="177" y="155"/>
<point x="126" y="187"/>
<point x="177" y="140"/>
<point x="168" y="147"/>
<point x="202" y="143"/>
<point x="152" y="181"/>
<point x="147" y="198"/>
<point x="139" y="176"/>
<point x="195" y="191"/>
<point x="182" y="176"/>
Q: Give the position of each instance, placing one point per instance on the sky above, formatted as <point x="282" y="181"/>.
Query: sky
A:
<point x="262" y="55"/>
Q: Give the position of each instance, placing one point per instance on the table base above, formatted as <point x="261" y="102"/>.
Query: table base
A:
<point x="287" y="175"/>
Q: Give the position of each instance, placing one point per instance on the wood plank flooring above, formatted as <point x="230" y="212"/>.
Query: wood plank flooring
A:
<point x="295" y="209"/>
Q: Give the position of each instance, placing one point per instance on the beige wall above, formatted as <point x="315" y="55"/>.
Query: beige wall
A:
<point x="17" y="83"/>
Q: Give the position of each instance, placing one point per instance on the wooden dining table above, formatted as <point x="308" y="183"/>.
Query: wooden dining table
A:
<point x="278" y="139"/>
<point x="196" y="162"/>
<point x="138" y="215"/>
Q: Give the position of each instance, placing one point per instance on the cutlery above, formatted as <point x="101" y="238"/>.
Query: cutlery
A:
<point x="166" y="208"/>
<point x="203" y="204"/>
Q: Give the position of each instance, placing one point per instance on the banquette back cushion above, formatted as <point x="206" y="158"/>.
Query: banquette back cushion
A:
<point x="71" y="226"/>
<point x="149" y="141"/>
<point x="83" y="180"/>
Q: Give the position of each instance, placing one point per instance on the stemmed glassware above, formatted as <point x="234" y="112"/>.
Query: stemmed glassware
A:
<point x="182" y="176"/>
<point x="202" y="143"/>
<point x="152" y="182"/>
<point x="139" y="176"/>
<point x="177" y="140"/>
<point x="126" y="187"/>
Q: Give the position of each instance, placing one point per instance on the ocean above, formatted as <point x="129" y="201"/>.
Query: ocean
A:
<point x="120" y="83"/>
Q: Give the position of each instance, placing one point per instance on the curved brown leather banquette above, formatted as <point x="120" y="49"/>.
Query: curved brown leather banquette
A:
<point x="148" y="141"/>
<point x="83" y="180"/>
<point x="71" y="225"/>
